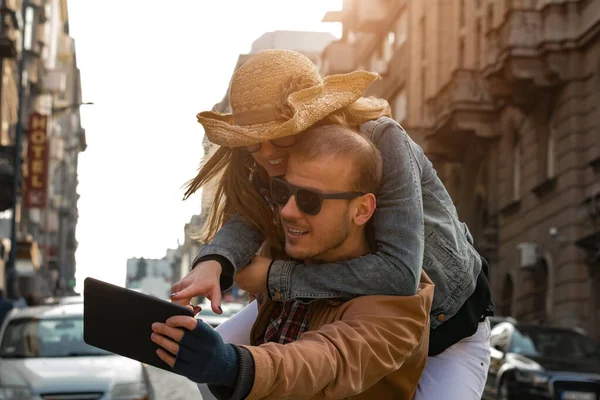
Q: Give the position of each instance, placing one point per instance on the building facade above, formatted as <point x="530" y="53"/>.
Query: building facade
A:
<point x="504" y="97"/>
<point x="52" y="138"/>
<point x="150" y="276"/>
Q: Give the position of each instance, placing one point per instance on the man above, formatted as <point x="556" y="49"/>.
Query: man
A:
<point x="367" y="347"/>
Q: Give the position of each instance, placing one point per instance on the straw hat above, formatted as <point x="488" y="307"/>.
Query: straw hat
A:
<point x="279" y="93"/>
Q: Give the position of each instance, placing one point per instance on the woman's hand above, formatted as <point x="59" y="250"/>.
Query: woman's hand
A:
<point x="253" y="277"/>
<point x="203" y="280"/>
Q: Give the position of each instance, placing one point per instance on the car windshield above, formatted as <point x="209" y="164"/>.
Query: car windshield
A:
<point x="553" y="343"/>
<point x="47" y="337"/>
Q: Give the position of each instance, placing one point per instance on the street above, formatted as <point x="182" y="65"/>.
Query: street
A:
<point x="169" y="386"/>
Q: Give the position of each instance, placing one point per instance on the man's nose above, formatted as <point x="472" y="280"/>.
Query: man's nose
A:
<point x="267" y="150"/>
<point x="290" y="210"/>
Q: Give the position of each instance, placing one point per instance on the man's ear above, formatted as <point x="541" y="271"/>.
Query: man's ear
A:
<point x="364" y="208"/>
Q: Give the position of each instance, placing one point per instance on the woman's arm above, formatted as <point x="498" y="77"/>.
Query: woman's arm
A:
<point x="233" y="247"/>
<point x="398" y="228"/>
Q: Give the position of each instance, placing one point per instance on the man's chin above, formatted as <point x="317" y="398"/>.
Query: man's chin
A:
<point x="297" y="252"/>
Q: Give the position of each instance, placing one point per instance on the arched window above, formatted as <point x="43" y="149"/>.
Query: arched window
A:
<point x="516" y="167"/>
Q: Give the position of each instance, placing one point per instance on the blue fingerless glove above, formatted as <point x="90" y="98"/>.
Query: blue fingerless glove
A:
<point x="203" y="357"/>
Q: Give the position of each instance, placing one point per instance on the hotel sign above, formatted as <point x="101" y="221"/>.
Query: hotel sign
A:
<point x="36" y="184"/>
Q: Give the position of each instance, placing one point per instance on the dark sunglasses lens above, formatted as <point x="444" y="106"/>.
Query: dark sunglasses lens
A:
<point x="308" y="201"/>
<point x="253" y="147"/>
<point x="280" y="192"/>
<point x="285" y="141"/>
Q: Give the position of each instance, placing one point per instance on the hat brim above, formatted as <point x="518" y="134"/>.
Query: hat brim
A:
<point x="309" y="106"/>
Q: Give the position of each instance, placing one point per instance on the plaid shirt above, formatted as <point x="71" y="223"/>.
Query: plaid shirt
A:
<point x="288" y="321"/>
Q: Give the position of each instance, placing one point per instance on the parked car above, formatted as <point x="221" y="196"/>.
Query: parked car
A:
<point x="540" y="362"/>
<point x="43" y="355"/>
<point x="210" y="317"/>
<point x="495" y="320"/>
<point x="63" y="300"/>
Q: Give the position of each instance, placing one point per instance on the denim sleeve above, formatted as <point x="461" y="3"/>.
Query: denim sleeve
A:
<point x="395" y="267"/>
<point x="236" y="241"/>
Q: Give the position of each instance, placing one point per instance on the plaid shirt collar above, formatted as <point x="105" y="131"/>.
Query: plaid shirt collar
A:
<point x="288" y="321"/>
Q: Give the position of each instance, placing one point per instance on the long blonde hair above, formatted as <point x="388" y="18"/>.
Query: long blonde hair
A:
<point x="234" y="192"/>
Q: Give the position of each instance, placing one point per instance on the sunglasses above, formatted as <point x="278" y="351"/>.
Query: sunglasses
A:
<point x="286" y="141"/>
<point x="309" y="201"/>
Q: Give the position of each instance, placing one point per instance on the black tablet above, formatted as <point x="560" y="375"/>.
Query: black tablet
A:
<point x="120" y="320"/>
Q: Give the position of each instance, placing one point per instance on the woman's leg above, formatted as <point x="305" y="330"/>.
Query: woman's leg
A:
<point x="460" y="372"/>
<point x="235" y="330"/>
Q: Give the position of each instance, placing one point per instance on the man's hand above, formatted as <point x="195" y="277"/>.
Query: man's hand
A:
<point x="253" y="277"/>
<point x="203" y="280"/>
<point x="193" y="349"/>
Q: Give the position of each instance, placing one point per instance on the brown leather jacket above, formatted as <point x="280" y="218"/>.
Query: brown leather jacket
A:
<point x="371" y="347"/>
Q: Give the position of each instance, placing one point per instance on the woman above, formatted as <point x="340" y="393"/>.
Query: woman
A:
<point x="278" y="94"/>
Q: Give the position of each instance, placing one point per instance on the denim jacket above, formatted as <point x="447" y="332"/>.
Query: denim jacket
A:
<point x="415" y="226"/>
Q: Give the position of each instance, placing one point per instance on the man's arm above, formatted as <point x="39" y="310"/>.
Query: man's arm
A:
<point x="374" y="337"/>
<point x="398" y="231"/>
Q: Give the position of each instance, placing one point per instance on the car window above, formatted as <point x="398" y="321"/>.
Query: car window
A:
<point x="49" y="337"/>
<point x="554" y="343"/>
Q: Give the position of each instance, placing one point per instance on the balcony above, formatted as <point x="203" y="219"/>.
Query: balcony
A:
<point x="529" y="53"/>
<point x="371" y="14"/>
<point x="8" y="26"/>
<point x="363" y="15"/>
<point x="337" y="58"/>
<point x="460" y="111"/>
<point x="395" y="77"/>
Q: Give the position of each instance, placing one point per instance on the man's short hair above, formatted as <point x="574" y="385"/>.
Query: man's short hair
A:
<point x="340" y="141"/>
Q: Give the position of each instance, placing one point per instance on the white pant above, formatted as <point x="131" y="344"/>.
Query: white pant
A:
<point x="458" y="373"/>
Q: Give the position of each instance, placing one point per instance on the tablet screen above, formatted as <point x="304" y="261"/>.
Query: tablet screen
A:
<point x="120" y="320"/>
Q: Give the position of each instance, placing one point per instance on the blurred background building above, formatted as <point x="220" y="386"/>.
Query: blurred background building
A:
<point x="504" y="98"/>
<point x="150" y="276"/>
<point x="46" y="209"/>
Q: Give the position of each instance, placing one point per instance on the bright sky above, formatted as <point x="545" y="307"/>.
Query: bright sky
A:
<point x="150" y="66"/>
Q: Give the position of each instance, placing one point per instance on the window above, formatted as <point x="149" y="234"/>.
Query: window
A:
<point x="506" y="305"/>
<point x="461" y="13"/>
<point x="516" y="183"/>
<point x="401" y="29"/>
<point x="48" y="337"/>
<point x="461" y="52"/>
<point x="29" y="30"/>
<point x="490" y="16"/>
<point x="478" y="43"/>
<point x="423" y="91"/>
<point x="550" y="153"/>
<point x="543" y="298"/>
<point x="399" y="106"/>
<point x="423" y="40"/>
<point x="351" y="38"/>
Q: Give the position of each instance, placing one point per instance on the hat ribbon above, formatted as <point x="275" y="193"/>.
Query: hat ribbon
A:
<point x="267" y="113"/>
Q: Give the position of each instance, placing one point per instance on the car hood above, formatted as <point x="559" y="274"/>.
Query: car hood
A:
<point x="591" y="366"/>
<point x="73" y="374"/>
